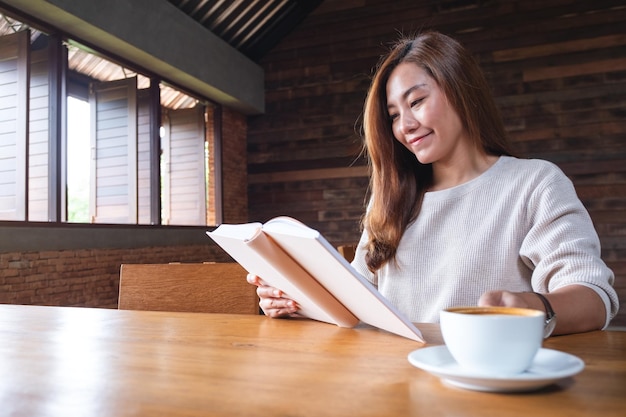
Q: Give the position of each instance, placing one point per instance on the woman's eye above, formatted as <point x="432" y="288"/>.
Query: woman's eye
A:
<point x="393" y="117"/>
<point x="416" y="102"/>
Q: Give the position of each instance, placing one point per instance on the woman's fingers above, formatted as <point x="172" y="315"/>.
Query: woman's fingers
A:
<point x="278" y="307"/>
<point x="272" y="300"/>
<point x="503" y="298"/>
<point x="255" y="280"/>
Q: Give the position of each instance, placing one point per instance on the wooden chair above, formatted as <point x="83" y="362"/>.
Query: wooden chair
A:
<point x="347" y="251"/>
<point x="192" y="287"/>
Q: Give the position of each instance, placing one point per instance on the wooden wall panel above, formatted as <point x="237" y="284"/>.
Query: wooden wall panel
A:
<point x="557" y="69"/>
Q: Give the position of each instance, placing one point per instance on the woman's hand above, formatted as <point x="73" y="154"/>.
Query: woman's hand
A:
<point x="578" y="308"/>
<point x="506" y="299"/>
<point x="272" y="300"/>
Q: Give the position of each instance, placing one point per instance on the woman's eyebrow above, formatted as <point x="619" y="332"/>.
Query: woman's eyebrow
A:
<point x="410" y="90"/>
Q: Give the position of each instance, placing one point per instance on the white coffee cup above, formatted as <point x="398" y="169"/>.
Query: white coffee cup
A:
<point x="493" y="341"/>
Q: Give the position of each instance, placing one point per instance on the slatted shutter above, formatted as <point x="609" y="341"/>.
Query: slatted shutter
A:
<point x="39" y="137"/>
<point x="184" y="173"/>
<point x="13" y="124"/>
<point x="143" y="157"/>
<point x="113" y="190"/>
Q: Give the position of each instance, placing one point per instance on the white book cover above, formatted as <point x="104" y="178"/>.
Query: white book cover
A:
<point x="297" y="259"/>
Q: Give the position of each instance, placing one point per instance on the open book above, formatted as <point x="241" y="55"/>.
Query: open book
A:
<point x="299" y="261"/>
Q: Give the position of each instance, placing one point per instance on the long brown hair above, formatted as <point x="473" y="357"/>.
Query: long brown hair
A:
<point x="398" y="180"/>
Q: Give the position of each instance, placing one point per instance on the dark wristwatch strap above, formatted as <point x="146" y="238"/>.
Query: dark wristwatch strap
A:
<point x="550" y="315"/>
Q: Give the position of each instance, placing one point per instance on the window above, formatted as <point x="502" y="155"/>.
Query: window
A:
<point x="85" y="139"/>
<point x="78" y="156"/>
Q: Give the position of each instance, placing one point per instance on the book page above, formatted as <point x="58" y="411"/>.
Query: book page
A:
<point x="256" y="253"/>
<point x="313" y="252"/>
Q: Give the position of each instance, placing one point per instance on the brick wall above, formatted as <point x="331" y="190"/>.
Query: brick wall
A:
<point x="234" y="167"/>
<point x="233" y="131"/>
<point x="82" y="277"/>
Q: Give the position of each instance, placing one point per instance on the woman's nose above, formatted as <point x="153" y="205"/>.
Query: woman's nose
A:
<point x="408" y="123"/>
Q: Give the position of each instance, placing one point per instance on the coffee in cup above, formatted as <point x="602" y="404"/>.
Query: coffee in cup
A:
<point x="493" y="341"/>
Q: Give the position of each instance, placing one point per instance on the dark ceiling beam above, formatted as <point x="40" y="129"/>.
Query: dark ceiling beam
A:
<point x="271" y="34"/>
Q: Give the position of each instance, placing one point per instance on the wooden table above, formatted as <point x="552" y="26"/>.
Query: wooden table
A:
<point x="63" y="361"/>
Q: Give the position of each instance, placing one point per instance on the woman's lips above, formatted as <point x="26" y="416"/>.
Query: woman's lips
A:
<point x="417" y="139"/>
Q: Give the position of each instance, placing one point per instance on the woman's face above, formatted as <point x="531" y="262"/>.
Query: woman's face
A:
<point x="421" y="117"/>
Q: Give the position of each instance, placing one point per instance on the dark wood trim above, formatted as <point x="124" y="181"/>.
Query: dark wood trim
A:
<point x="155" y="151"/>
<point x="57" y="142"/>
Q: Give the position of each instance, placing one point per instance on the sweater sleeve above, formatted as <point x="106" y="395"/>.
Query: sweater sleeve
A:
<point x="562" y="247"/>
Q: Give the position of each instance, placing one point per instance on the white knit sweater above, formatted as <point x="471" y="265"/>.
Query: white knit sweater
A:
<point x="519" y="226"/>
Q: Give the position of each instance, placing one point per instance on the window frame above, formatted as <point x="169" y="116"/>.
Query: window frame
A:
<point x="60" y="90"/>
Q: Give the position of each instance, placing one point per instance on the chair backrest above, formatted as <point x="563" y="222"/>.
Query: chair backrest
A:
<point x="187" y="287"/>
<point x="347" y="251"/>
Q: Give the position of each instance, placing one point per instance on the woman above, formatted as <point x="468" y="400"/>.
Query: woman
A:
<point x="454" y="218"/>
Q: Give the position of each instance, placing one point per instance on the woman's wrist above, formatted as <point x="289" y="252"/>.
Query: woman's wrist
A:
<point x="550" y="322"/>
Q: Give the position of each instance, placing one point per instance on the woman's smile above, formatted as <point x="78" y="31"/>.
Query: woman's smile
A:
<point x="418" y="139"/>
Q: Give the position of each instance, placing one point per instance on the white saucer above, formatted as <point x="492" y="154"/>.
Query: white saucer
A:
<point x="548" y="367"/>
